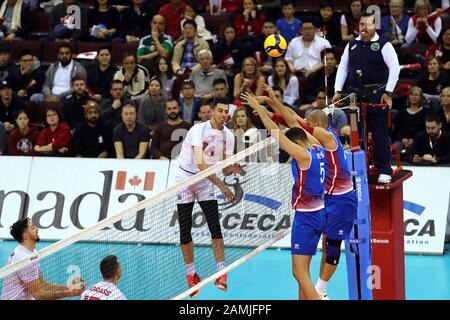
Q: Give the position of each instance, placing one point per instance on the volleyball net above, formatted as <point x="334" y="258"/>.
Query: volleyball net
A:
<point x="146" y="236"/>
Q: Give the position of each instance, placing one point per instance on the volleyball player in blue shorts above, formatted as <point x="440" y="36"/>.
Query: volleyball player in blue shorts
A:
<point x="308" y="169"/>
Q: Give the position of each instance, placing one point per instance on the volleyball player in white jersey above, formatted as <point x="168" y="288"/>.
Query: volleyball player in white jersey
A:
<point x="27" y="283"/>
<point x="205" y="144"/>
<point x="106" y="289"/>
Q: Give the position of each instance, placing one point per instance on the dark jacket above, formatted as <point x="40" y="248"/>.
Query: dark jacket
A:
<point x="100" y="81"/>
<point x="137" y="25"/>
<point x="10" y="73"/>
<point x="74" y="110"/>
<point x="7" y="113"/>
<point x="26" y="23"/>
<point x="441" y="147"/>
<point x="89" y="141"/>
<point x="60" y="11"/>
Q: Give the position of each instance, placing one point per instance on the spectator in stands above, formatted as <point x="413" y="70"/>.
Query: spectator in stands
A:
<point x="433" y="81"/>
<point x="55" y="139"/>
<point x="432" y="146"/>
<point x="173" y="13"/>
<point x="136" y="19"/>
<point x="282" y="77"/>
<point x="205" y="77"/>
<point x="157" y="44"/>
<point x="244" y="131"/>
<point x="151" y="108"/>
<point x="9" y="105"/>
<point x="104" y="22"/>
<point x="249" y="79"/>
<point x="444" y="113"/>
<point x="100" y="74"/>
<point x="8" y="69"/>
<point x="205" y="112"/>
<point x="338" y="118"/>
<point x="164" y="73"/>
<point x="329" y="70"/>
<point x="134" y="77"/>
<point x="350" y="21"/>
<point x="168" y="135"/>
<point x="289" y="25"/>
<point x="395" y="24"/>
<point x="58" y="78"/>
<point x="421" y="27"/>
<point x="191" y="12"/>
<point x="189" y="104"/>
<point x="249" y="24"/>
<point x="266" y="64"/>
<point x="409" y="122"/>
<point x="3" y="140"/>
<point x="112" y="107"/>
<point x="303" y="53"/>
<point x="75" y="103"/>
<point x="92" y="139"/>
<point x="31" y="75"/>
<point x="231" y="6"/>
<point x="228" y="52"/>
<point x="220" y="88"/>
<point x="23" y="138"/>
<point x="186" y="51"/>
<point x="329" y="24"/>
<point x="131" y="138"/>
<point x="441" y="49"/>
<point x="64" y="26"/>
<point x="16" y="23"/>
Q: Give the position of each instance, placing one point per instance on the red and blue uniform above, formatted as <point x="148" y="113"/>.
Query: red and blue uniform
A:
<point x="340" y="199"/>
<point x="308" y="202"/>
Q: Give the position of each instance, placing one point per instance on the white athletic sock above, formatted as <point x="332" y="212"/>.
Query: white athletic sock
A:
<point x="321" y="286"/>
<point x="190" y="269"/>
<point x="220" y="265"/>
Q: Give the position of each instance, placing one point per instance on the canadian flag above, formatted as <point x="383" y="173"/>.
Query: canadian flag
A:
<point x="135" y="180"/>
<point x="90" y="55"/>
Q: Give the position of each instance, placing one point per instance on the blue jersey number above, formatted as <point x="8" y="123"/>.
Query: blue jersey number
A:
<point x="322" y="172"/>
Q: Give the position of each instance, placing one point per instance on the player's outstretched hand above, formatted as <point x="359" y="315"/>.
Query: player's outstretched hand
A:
<point x="234" y="168"/>
<point x="269" y="90"/>
<point x="250" y="100"/>
<point x="77" y="287"/>
<point x="229" y="196"/>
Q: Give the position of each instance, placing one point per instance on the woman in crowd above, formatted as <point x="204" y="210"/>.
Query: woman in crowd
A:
<point x="104" y="22"/>
<point x="423" y="27"/>
<point x="23" y="138"/>
<point x="433" y="81"/>
<point x="441" y="49"/>
<point x="55" y="139"/>
<point x="165" y="74"/>
<point x="350" y="21"/>
<point x="249" y="79"/>
<point x="244" y="132"/>
<point x="283" y="78"/>
<point x="151" y="108"/>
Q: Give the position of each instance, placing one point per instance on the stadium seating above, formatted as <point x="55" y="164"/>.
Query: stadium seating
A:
<point x="41" y="24"/>
<point x="34" y="46"/>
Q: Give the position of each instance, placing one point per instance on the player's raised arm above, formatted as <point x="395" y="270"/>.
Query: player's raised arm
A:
<point x="297" y="152"/>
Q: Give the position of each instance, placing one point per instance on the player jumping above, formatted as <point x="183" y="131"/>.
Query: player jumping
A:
<point x="307" y="197"/>
<point x="205" y="144"/>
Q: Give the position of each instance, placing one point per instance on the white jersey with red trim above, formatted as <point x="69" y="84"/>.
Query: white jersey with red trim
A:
<point x="103" y="291"/>
<point x="217" y="144"/>
<point x="14" y="284"/>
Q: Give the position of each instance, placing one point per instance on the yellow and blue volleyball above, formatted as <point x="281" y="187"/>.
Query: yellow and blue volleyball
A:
<point x="275" y="45"/>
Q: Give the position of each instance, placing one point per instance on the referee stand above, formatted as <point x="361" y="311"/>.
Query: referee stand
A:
<point x="375" y="249"/>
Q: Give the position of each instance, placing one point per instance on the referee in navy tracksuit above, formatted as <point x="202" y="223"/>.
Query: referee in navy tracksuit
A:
<point x="370" y="66"/>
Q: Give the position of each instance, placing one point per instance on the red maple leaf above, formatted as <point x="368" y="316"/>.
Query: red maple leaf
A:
<point x="135" y="181"/>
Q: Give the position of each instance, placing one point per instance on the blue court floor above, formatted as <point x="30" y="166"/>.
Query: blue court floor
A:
<point x="269" y="276"/>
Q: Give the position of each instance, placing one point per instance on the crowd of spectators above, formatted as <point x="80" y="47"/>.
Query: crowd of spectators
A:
<point x="143" y="106"/>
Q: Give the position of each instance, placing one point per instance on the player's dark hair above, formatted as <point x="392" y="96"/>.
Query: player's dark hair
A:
<point x="109" y="267"/>
<point x="433" y="117"/>
<point x="296" y="134"/>
<point x="18" y="228"/>
<point x="221" y="100"/>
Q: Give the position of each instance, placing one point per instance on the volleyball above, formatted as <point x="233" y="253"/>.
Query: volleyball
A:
<point x="275" y="45"/>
